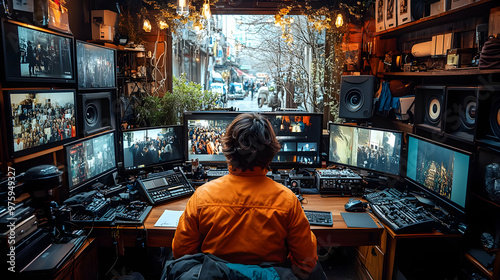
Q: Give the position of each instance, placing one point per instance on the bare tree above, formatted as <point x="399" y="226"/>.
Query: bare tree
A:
<point x="297" y="66"/>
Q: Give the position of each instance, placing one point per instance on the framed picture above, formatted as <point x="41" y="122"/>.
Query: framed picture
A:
<point x="379" y="15"/>
<point x="404" y="11"/>
<point x="352" y="56"/>
<point x="390" y="14"/>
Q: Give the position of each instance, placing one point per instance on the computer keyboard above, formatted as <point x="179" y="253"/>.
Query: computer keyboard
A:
<point x="319" y="218"/>
<point x="86" y="218"/>
<point x="217" y="173"/>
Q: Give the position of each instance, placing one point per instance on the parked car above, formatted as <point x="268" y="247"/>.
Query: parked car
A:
<point x="236" y="91"/>
<point x="221" y="89"/>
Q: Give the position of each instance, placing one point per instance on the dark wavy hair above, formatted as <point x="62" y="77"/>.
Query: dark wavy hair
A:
<point x="250" y="142"/>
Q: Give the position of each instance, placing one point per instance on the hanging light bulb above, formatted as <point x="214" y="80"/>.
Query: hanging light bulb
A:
<point x="147" y="25"/>
<point x="339" y="21"/>
<point x="183" y="7"/>
<point x="206" y="11"/>
<point x="162" y="24"/>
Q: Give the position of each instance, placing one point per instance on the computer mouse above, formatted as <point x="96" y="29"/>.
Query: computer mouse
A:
<point x="355" y="205"/>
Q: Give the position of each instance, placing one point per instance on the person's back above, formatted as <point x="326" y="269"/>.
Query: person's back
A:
<point x="245" y="217"/>
<point x="253" y="219"/>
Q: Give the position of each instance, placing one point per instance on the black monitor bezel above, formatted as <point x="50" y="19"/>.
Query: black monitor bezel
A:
<point x="437" y="197"/>
<point x="188" y="116"/>
<point x="273" y="165"/>
<point x="10" y="128"/>
<point x="77" y="66"/>
<point x="289" y="165"/>
<point x="20" y="78"/>
<point x="368" y="169"/>
<point x="82" y="185"/>
<point x="150" y="166"/>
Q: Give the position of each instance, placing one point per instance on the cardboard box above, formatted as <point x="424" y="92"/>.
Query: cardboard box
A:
<point x="494" y="23"/>
<point x="103" y="25"/>
<point x="438" y="7"/>
<point x="459" y="3"/>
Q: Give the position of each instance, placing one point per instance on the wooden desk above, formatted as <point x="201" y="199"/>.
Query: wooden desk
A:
<point x="392" y="239"/>
<point x="83" y="265"/>
<point x="338" y="235"/>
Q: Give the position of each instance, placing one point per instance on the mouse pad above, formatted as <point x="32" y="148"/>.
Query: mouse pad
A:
<point x="359" y="220"/>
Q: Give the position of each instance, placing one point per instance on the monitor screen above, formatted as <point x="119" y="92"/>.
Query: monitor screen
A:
<point x="89" y="159"/>
<point x="40" y="119"/>
<point x="33" y="54"/>
<point x="148" y="147"/>
<point x="367" y="148"/>
<point x="439" y="169"/>
<point x="299" y="134"/>
<point x="204" y="131"/>
<point x="95" y="66"/>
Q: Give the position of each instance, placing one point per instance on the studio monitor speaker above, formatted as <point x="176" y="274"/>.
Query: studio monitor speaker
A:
<point x="488" y="115"/>
<point x="356" y="97"/>
<point x="429" y="107"/>
<point x="95" y="114"/>
<point x="461" y="111"/>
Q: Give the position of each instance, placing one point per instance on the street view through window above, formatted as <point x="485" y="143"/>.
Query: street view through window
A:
<point x="253" y="64"/>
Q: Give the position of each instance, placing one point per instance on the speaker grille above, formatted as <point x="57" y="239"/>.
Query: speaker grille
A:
<point x="495" y="118"/>
<point x="354" y="100"/>
<point x="92" y="115"/>
<point x="434" y="110"/>
<point x="468" y="112"/>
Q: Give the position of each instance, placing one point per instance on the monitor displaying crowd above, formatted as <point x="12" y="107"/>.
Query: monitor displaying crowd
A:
<point x="147" y="147"/>
<point x="91" y="158"/>
<point x="42" y="118"/>
<point x="205" y="139"/>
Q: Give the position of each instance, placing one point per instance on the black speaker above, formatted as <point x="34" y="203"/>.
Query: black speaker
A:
<point x="488" y="115"/>
<point x="461" y="111"/>
<point x="429" y="107"/>
<point x="356" y="97"/>
<point x="95" y="113"/>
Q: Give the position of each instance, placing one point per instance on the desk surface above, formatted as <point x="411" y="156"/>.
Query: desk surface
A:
<point x="338" y="235"/>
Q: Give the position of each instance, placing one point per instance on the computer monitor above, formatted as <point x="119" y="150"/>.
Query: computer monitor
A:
<point x="153" y="146"/>
<point x="204" y="131"/>
<point x="299" y="134"/>
<point x="372" y="149"/>
<point x="36" y="55"/>
<point x="90" y="159"/>
<point x="39" y="119"/>
<point x="440" y="170"/>
<point x="96" y="67"/>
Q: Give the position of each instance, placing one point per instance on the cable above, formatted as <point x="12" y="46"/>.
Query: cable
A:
<point x="116" y="252"/>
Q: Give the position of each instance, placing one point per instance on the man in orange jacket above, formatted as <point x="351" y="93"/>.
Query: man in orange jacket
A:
<point x="245" y="217"/>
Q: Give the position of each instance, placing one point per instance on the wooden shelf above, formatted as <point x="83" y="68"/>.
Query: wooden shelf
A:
<point x="480" y="8"/>
<point x="38" y="154"/>
<point x="444" y="73"/>
<point x="479" y="266"/>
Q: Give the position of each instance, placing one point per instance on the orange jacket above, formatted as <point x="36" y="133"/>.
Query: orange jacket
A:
<point x="245" y="217"/>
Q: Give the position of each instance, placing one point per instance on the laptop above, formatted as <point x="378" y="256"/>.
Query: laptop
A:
<point x="50" y="260"/>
